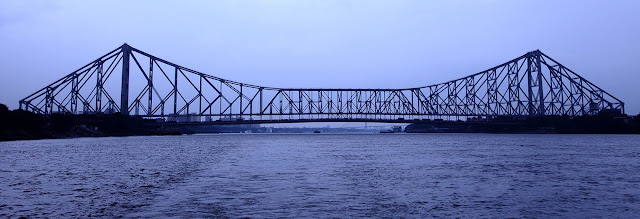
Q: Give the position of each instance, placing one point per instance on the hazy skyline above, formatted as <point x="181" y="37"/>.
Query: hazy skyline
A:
<point x="323" y="44"/>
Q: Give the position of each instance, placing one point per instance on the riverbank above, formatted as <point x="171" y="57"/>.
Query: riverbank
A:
<point x="23" y="125"/>
<point x="596" y="124"/>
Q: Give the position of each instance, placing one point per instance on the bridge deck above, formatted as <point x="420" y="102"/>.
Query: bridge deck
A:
<point x="424" y="121"/>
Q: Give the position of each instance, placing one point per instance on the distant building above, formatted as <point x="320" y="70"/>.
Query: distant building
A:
<point x="232" y="118"/>
<point x="110" y="110"/>
<point x="184" y="118"/>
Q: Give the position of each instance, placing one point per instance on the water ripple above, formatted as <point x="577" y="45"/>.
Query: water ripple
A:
<point x="323" y="175"/>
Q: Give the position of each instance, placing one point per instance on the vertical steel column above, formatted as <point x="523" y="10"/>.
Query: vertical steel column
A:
<point x="412" y="106"/>
<point x="200" y="96"/>
<point x="74" y="96"/>
<point x="99" y="89"/>
<point x="150" y="82"/>
<point x="261" y="107"/>
<point x="220" y="92"/>
<point x="300" y="111"/>
<point x="48" y="108"/>
<point x="540" y="91"/>
<point x="175" y="93"/>
<point x="124" y="93"/>
<point x="530" y="89"/>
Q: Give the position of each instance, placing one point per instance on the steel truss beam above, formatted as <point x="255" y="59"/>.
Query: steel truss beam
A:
<point x="531" y="85"/>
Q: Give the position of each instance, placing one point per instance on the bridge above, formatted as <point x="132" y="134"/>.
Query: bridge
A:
<point x="531" y="85"/>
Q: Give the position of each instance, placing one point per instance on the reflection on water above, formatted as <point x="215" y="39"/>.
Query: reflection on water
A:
<point x="323" y="175"/>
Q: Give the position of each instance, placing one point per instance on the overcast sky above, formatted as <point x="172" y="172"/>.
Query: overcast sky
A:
<point x="323" y="43"/>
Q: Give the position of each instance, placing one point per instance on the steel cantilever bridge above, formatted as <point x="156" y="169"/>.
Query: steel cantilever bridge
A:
<point x="531" y="85"/>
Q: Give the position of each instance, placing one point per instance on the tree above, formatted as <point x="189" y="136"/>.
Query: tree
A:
<point x="3" y="108"/>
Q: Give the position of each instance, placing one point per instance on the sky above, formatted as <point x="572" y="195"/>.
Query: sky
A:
<point x="323" y="43"/>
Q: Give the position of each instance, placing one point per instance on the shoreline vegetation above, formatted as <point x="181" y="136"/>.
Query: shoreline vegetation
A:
<point x="24" y="125"/>
<point x="595" y="124"/>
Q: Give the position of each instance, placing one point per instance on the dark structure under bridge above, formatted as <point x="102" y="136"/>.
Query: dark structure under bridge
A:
<point x="132" y="82"/>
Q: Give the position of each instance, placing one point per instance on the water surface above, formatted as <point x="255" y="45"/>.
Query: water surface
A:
<point x="323" y="175"/>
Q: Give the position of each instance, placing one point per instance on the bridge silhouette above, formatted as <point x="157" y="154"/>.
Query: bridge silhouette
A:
<point x="531" y="85"/>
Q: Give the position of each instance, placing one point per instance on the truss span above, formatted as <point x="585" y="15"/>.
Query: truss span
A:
<point x="531" y="85"/>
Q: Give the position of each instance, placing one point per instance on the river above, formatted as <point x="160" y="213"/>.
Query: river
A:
<point x="323" y="175"/>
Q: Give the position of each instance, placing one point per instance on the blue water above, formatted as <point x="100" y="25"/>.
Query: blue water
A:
<point x="323" y="175"/>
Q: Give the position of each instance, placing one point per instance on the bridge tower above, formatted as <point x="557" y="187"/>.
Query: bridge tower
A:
<point x="124" y="92"/>
<point x="534" y="76"/>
